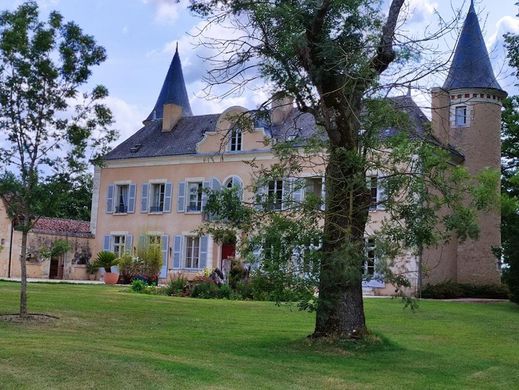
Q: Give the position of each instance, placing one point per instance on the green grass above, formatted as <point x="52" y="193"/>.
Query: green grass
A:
<point x="107" y="338"/>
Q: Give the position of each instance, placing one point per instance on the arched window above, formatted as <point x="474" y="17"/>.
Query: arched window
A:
<point x="234" y="182"/>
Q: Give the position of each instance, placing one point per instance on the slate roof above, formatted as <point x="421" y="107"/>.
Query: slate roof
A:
<point x="471" y="67"/>
<point x="173" y="91"/>
<point x="62" y="227"/>
<point x="150" y="141"/>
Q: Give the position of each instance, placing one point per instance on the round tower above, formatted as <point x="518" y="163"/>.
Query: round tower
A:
<point x="474" y="121"/>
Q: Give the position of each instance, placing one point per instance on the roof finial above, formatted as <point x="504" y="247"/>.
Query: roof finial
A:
<point x="409" y="89"/>
<point x="472" y="9"/>
<point x="176" y="50"/>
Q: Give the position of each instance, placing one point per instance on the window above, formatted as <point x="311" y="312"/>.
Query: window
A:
<point x="373" y="183"/>
<point x="275" y="194"/>
<point x="192" y="254"/>
<point x="194" y="196"/>
<point x="119" y="243"/>
<point x="235" y="141"/>
<point x="121" y="198"/>
<point x="314" y="185"/>
<point x="157" y="197"/>
<point x="369" y="261"/>
<point x="460" y="116"/>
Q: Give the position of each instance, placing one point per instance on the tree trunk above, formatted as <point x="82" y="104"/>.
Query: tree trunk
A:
<point x="340" y="311"/>
<point x="23" y="276"/>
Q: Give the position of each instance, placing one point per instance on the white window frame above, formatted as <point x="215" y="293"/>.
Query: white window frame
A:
<point x="191" y="253"/>
<point x="276" y="194"/>
<point x="160" y="198"/>
<point x="460" y="116"/>
<point x="118" y="244"/>
<point x="200" y="189"/>
<point x="370" y="261"/>
<point x="236" y="140"/>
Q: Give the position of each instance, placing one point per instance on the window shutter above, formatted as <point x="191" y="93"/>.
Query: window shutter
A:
<point x="298" y="188"/>
<point x="131" y="198"/>
<point x="205" y="185"/>
<point x="381" y="193"/>
<point x="165" y="245"/>
<point x="323" y="194"/>
<point x="286" y="191"/>
<point x="142" y="241"/>
<point x="181" y="206"/>
<point x="167" y="197"/>
<point x="107" y="243"/>
<point x="261" y="191"/>
<point x="203" y="251"/>
<point x="215" y="184"/>
<point x="177" y="252"/>
<point x="144" y="198"/>
<point x="110" y="199"/>
<point x="128" y="244"/>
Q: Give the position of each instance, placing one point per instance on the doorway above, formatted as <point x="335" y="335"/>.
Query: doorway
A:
<point x="56" y="267"/>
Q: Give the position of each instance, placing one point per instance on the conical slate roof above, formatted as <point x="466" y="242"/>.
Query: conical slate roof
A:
<point x="173" y="91"/>
<point x="471" y="67"/>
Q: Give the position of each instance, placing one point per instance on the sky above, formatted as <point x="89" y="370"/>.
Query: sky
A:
<point x="140" y="38"/>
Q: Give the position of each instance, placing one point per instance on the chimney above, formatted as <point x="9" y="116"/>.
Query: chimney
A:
<point x="440" y="114"/>
<point x="172" y="114"/>
<point x="282" y="105"/>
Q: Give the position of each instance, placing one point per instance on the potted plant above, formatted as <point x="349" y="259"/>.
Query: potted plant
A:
<point x="91" y="269"/>
<point x="106" y="260"/>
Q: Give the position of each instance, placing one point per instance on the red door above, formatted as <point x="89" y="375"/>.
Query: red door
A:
<point x="228" y="251"/>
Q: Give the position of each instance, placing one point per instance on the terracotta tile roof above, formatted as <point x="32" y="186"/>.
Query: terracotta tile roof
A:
<point x="65" y="227"/>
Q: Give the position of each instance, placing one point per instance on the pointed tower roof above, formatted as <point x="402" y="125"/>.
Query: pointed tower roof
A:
<point x="471" y="67"/>
<point x="173" y="91"/>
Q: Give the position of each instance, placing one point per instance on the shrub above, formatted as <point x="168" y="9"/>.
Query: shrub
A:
<point x="129" y="267"/>
<point x="224" y="292"/>
<point x="138" y="286"/>
<point x="453" y="290"/>
<point x="106" y="260"/>
<point x="238" y="273"/>
<point x="151" y="257"/>
<point x="206" y="290"/>
<point x="177" y="286"/>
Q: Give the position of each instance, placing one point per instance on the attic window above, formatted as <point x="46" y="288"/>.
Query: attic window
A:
<point x="135" y="148"/>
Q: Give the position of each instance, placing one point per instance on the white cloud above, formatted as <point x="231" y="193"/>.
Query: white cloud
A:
<point x="128" y="118"/>
<point x="167" y="11"/>
<point x="504" y="25"/>
<point x="420" y="10"/>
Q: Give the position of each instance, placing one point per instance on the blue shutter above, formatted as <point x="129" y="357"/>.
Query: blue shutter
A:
<point x="298" y="187"/>
<point x="144" y="198"/>
<point x="181" y="200"/>
<point x="381" y="192"/>
<point x="203" y="251"/>
<point x="261" y="191"/>
<point x="205" y="186"/>
<point x="177" y="251"/>
<point x="286" y="197"/>
<point x="128" y="244"/>
<point x="165" y="246"/>
<point x="107" y="243"/>
<point x="131" y="198"/>
<point x="167" y="197"/>
<point x="215" y="184"/>
<point x="110" y="199"/>
<point x="142" y="241"/>
<point x="323" y="194"/>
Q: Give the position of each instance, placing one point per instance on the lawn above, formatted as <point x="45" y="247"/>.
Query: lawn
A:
<point x="108" y="338"/>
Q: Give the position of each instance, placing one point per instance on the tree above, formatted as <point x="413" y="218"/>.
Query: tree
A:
<point x="330" y="56"/>
<point x="47" y="123"/>
<point x="510" y="177"/>
<point x="510" y="190"/>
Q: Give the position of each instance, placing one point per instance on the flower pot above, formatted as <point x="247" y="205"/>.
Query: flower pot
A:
<point x="111" y="277"/>
<point x="92" y="276"/>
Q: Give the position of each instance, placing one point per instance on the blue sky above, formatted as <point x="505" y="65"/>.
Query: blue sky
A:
<point x="140" y="37"/>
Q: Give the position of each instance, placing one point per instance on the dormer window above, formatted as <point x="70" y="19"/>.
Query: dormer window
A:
<point x="236" y="140"/>
<point x="460" y="116"/>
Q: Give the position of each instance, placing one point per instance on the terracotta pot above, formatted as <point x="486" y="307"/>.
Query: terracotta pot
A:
<point x="92" y="276"/>
<point x="111" y="277"/>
